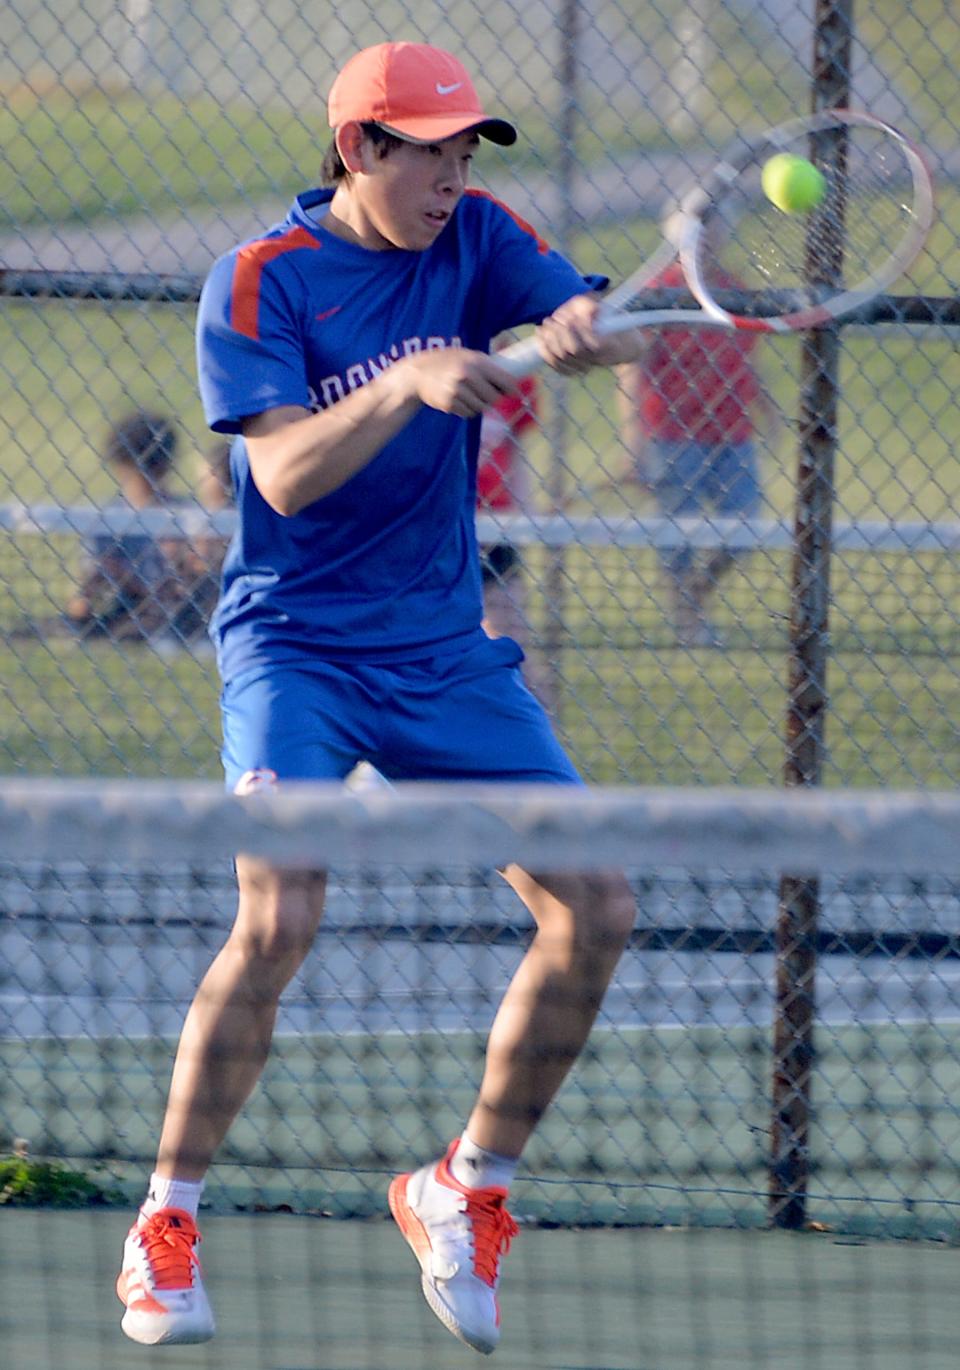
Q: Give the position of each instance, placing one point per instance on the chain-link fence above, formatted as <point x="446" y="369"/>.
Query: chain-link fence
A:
<point x="146" y="138"/>
<point x="665" y="615"/>
<point x="116" y="897"/>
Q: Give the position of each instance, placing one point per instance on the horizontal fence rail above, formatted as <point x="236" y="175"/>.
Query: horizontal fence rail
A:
<point x="525" y="530"/>
<point x="185" y="289"/>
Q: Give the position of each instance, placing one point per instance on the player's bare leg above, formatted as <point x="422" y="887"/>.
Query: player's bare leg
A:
<point x="227" y="1034"/>
<point x="583" y="922"/>
<point x="223" y="1048"/>
<point x="459" y="1230"/>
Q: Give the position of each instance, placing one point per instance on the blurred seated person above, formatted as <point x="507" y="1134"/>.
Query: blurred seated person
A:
<point x="122" y="587"/>
<point x="214" y="482"/>
<point x="138" y="585"/>
<point x="202" y="559"/>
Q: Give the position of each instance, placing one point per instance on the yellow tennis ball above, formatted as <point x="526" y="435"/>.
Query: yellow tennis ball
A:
<point x="792" y="183"/>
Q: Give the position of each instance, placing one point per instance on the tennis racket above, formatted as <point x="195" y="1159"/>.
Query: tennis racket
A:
<point x="798" y="271"/>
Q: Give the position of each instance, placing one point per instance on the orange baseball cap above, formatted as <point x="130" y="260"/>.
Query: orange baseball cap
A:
<point x="420" y="93"/>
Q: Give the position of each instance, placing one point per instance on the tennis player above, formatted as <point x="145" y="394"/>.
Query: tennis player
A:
<point x="349" y="346"/>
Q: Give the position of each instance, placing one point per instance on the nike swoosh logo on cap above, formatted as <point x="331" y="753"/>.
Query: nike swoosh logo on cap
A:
<point x="448" y="90"/>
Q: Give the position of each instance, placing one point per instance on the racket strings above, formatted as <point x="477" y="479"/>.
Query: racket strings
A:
<point x="866" y="214"/>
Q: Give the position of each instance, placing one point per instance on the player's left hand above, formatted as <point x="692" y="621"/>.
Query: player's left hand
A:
<point x="569" y="342"/>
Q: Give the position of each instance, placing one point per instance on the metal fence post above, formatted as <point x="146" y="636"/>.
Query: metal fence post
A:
<point x="807" y="698"/>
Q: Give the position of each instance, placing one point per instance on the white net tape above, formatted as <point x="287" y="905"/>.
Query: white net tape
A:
<point x="422" y="827"/>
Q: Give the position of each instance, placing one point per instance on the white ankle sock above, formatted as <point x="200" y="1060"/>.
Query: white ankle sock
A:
<point x="478" y="1169"/>
<point x="164" y="1193"/>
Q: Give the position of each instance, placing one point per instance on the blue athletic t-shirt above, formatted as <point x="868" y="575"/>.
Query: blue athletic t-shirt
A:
<point x="386" y="567"/>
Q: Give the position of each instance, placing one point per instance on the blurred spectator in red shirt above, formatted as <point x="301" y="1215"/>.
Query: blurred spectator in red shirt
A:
<point x="689" y="411"/>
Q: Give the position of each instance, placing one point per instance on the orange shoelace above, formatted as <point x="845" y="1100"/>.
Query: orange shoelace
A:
<point x="493" y="1231"/>
<point x="168" y="1240"/>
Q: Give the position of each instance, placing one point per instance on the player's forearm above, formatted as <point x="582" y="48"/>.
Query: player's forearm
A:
<point x="297" y="458"/>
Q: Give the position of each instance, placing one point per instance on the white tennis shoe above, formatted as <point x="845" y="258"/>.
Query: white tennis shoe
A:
<point x="160" y="1282"/>
<point x="458" y="1235"/>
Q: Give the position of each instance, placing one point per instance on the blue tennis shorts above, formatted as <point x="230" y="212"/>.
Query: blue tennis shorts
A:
<point x="466" y="716"/>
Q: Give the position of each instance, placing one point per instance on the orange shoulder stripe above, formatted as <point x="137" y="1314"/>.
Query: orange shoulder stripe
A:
<point x="245" y="295"/>
<point x="542" y="244"/>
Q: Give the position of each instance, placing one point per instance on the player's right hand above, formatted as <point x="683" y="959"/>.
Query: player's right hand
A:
<point x="456" y="380"/>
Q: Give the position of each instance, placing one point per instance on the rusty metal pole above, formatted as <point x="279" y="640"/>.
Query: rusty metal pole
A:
<point x="808" y="655"/>
<point x="555" y="634"/>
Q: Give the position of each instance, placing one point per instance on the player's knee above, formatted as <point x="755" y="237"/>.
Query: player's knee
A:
<point x="617" y="909"/>
<point x="606" y="911"/>
<point x="277" y="921"/>
<point x="274" y="945"/>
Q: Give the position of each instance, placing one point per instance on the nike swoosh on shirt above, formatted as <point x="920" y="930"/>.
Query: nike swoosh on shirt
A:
<point x="448" y="90"/>
<point x="327" y="313"/>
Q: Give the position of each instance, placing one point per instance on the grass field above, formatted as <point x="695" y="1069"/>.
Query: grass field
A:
<point x="231" y="106"/>
<point x="633" y="706"/>
<point x="642" y="711"/>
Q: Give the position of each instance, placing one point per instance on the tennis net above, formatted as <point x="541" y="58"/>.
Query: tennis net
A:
<point x="774" y="928"/>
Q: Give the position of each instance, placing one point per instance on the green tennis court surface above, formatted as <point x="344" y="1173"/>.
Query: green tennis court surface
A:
<point x="306" y="1294"/>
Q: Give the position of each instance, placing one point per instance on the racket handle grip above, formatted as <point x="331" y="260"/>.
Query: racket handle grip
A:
<point x="523" y="358"/>
<point x="520" y="358"/>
